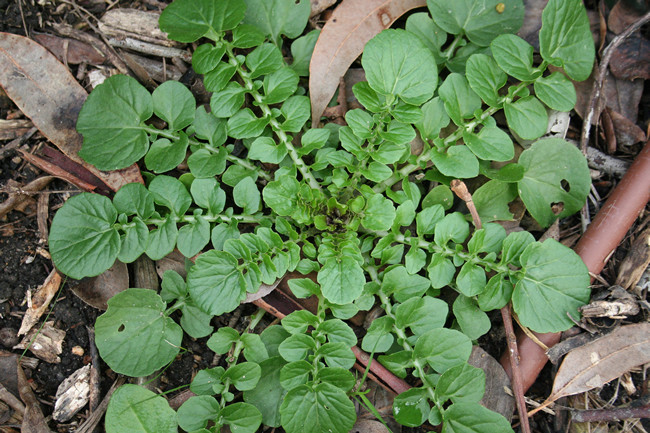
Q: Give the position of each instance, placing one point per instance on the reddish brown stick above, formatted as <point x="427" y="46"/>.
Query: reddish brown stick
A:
<point x="601" y="238"/>
<point x="513" y="350"/>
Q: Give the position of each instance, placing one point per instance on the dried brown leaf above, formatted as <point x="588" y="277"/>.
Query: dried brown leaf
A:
<point x="46" y="92"/>
<point x="40" y="301"/>
<point x="70" y="51"/>
<point x="352" y="24"/>
<point x="98" y="290"/>
<point x="602" y="360"/>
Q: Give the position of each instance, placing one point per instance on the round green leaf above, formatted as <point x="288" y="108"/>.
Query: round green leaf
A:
<point x="170" y="192"/>
<point x="471" y="279"/>
<point x="134" y="199"/>
<point x="195" y="413"/>
<point x="556" y="172"/>
<point x="459" y="99"/>
<point x="515" y="56"/>
<point x="490" y="144"/>
<point x="175" y="104"/>
<point x="397" y="63"/>
<point x="206" y="57"/>
<point x="480" y="20"/>
<point x="463" y="382"/>
<point x="215" y="283"/>
<point x="341" y="280"/>
<point x="133" y="336"/>
<point x="242" y="417"/>
<point x="468" y="417"/>
<point x="472" y="320"/>
<point x="443" y="348"/>
<point x="411" y="408"/>
<point x="135" y="409"/>
<point x="244" y="375"/>
<point x="278" y="17"/>
<point x="194" y="236"/>
<point x="83" y="240"/>
<point x="323" y="407"/>
<point x="556" y="91"/>
<point x="112" y="123"/>
<point x="497" y="293"/>
<point x="189" y="20"/>
<point x="458" y="161"/>
<point x="485" y="77"/>
<point x="555" y="284"/>
<point x="165" y="155"/>
<point x="228" y="101"/>
<point x="527" y="117"/>
<point x="134" y="241"/>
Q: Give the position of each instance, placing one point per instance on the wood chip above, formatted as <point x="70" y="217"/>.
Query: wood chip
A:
<point x="47" y="343"/>
<point x="40" y="301"/>
<point x="72" y="394"/>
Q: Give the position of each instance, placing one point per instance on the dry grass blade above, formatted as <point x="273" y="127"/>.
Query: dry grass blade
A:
<point x="341" y="41"/>
<point x="40" y="301"/>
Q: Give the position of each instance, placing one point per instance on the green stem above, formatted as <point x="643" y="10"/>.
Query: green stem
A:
<point x="401" y="335"/>
<point x="275" y="125"/>
<point x="448" y="141"/>
<point x="247" y="219"/>
<point x="242" y="162"/>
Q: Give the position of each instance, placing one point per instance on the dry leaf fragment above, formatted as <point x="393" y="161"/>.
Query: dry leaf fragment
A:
<point x="96" y="291"/>
<point x="40" y="301"/>
<point x="352" y="24"/>
<point x="46" y="92"/>
<point x="604" y="359"/>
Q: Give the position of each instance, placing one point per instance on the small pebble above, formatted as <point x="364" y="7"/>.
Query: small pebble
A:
<point x="9" y="337"/>
<point x="78" y="350"/>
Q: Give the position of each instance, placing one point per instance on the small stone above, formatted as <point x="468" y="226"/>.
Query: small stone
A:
<point x="9" y="337"/>
<point x="77" y="350"/>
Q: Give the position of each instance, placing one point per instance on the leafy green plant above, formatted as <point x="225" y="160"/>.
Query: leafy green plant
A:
<point x="263" y="195"/>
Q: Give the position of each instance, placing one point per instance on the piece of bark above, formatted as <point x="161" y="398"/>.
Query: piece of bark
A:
<point x="606" y="163"/>
<point x="19" y="195"/>
<point x="135" y="23"/>
<point x="11" y="129"/>
<point x="45" y="343"/>
<point x="33" y="419"/>
<point x="612" y="309"/>
<point x="150" y="49"/>
<point x="635" y="262"/>
<point x="72" y="394"/>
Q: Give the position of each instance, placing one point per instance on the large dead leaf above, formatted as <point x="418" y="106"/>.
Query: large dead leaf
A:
<point x="353" y="23"/>
<point x="46" y="92"/>
<point x="604" y="359"/>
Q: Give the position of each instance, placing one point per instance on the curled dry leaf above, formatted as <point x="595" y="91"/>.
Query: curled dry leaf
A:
<point x="602" y="360"/>
<point x="341" y="41"/>
<point x="46" y="92"/>
<point x="40" y="301"/>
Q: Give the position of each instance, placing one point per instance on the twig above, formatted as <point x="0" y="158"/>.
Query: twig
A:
<point x="96" y="416"/>
<point x="517" y="388"/>
<point x="460" y="189"/>
<point x="607" y="415"/>
<point x="602" y="71"/>
<point x="150" y="49"/>
<point x="93" y="399"/>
